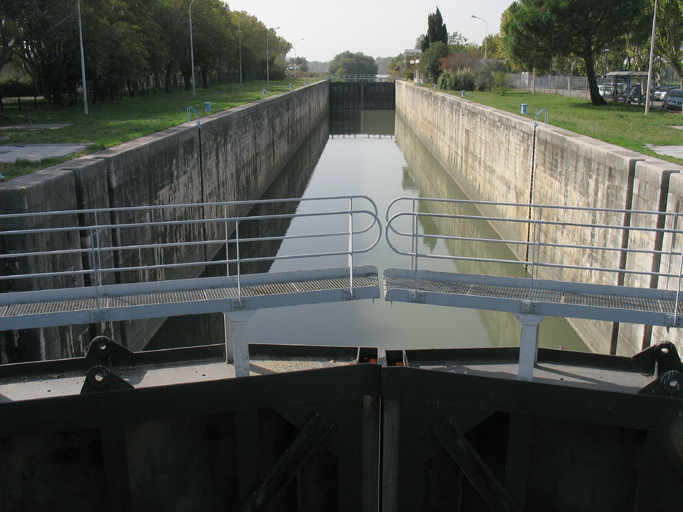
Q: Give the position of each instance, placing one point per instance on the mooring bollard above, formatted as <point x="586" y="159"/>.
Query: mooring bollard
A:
<point x="523" y="108"/>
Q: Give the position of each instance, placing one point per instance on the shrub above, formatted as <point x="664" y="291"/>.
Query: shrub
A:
<point x="502" y="80"/>
<point x="458" y="81"/>
<point x="13" y="85"/>
<point x="485" y="74"/>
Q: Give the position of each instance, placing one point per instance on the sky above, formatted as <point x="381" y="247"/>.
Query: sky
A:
<point x="379" y="28"/>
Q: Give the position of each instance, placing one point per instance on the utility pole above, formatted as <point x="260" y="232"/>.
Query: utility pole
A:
<point x="191" y="46"/>
<point x="649" y="71"/>
<point x="239" y="31"/>
<point x="295" y="56"/>
<point x="85" y="86"/>
<point x="486" y="28"/>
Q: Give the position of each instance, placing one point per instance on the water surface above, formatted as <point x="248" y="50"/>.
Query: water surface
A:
<point x="375" y="154"/>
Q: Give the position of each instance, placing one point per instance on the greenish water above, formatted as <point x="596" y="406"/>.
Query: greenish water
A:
<point x="373" y="154"/>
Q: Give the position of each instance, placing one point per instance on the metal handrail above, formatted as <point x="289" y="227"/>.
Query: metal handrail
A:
<point x="190" y="111"/>
<point x="196" y="227"/>
<point x="537" y="116"/>
<point x="546" y="238"/>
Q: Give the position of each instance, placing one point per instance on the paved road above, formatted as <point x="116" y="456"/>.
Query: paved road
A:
<point x="36" y="152"/>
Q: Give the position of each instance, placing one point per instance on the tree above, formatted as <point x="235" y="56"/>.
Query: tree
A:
<point x="395" y="66"/>
<point x="46" y="43"/>
<point x="541" y="29"/>
<point x="422" y="42"/>
<point x="456" y="39"/>
<point x="465" y="58"/>
<point x="669" y="35"/>
<point x="436" y="28"/>
<point x="353" y="64"/>
<point x="214" y="38"/>
<point x="432" y="60"/>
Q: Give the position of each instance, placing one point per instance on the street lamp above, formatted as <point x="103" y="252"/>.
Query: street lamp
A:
<point x="85" y="87"/>
<point x="268" y="56"/>
<point x="191" y="46"/>
<point x="239" y="31"/>
<point x="295" y="55"/>
<point x="486" y="27"/>
<point x="649" y="70"/>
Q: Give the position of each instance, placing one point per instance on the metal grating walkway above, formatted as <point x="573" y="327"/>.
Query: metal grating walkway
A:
<point x="51" y="308"/>
<point x="545" y="298"/>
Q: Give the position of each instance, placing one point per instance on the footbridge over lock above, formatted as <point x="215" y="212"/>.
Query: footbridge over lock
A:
<point x="591" y="279"/>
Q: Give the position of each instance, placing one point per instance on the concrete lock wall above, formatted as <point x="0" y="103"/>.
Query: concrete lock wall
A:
<point x="234" y="155"/>
<point x="490" y="155"/>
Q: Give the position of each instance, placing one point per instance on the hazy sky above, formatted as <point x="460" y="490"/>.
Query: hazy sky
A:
<point x="379" y="28"/>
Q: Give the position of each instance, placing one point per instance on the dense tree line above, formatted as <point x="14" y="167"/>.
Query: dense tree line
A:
<point x="587" y="37"/>
<point x="130" y="44"/>
<point x="536" y="31"/>
<point x="348" y="63"/>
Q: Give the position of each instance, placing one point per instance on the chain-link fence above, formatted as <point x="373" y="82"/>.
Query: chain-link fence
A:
<point x="576" y="86"/>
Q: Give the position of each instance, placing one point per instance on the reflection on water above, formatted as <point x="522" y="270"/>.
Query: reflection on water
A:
<point x="427" y="176"/>
<point x="362" y="156"/>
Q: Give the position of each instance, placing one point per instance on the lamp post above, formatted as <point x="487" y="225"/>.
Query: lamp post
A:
<point x="649" y="71"/>
<point x="85" y="87"/>
<point x="295" y="55"/>
<point x="486" y="27"/>
<point x="191" y="46"/>
<point x="239" y="31"/>
<point x="268" y="56"/>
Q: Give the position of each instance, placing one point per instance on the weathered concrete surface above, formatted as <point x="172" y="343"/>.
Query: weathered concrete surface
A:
<point x="46" y="190"/>
<point x="491" y="156"/>
<point x="235" y="155"/>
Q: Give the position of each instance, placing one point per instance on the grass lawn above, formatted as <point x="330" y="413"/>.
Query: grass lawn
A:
<point x="619" y="124"/>
<point x="113" y="122"/>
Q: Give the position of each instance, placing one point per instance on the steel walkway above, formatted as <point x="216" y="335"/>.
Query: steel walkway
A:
<point x="107" y="265"/>
<point x="545" y="265"/>
<point x="534" y="261"/>
<point x="114" y="303"/>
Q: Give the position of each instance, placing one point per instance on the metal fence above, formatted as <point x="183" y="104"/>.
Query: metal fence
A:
<point x="575" y="86"/>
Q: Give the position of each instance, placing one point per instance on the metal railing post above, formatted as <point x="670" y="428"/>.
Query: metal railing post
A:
<point x="239" y="271"/>
<point x="414" y="241"/>
<point x="678" y="288"/>
<point x="227" y="240"/>
<point x="350" y="259"/>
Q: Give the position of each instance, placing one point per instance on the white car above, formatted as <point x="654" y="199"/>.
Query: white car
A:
<point x="605" y="90"/>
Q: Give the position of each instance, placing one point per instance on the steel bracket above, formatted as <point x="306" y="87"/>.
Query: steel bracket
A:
<point x="239" y="305"/>
<point x="668" y="384"/>
<point x="529" y="308"/>
<point x="101" y="378"/>
<point x="349" y="294"/>
<point x="102" y="351"/>
<point x="417" y="297"/>
<point x="673" y="320"/>
<point x="99" y="316"/>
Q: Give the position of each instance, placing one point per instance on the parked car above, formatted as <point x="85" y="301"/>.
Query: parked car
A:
<point x="605" y="90"/>
<point x="661" y="92"/>
<point x="673" y="100"/>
